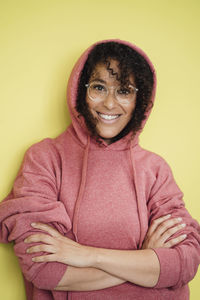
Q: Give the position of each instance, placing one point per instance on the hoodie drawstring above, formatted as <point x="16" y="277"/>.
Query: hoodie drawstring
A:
<point x="81" y="189"/>
<point x="137" y="194"/>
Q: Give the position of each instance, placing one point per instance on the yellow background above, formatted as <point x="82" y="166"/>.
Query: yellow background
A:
<point x="41" y="40"/>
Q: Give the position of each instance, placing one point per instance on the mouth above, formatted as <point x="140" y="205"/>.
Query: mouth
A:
<point x="108" y="118"/>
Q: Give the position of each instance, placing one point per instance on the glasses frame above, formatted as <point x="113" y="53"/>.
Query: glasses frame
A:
<point x="108" y="88"/>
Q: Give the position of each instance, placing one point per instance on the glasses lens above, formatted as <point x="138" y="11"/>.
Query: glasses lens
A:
<point x="125" y="94"/>
<point x="97" y="91"/>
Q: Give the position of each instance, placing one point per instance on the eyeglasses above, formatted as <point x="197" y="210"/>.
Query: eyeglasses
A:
<point x="98" y="92"/>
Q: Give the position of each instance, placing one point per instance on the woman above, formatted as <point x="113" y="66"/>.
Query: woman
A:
<point x="92" y="214"/>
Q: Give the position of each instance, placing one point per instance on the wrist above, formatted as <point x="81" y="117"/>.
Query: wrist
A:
<point x="92" y="255"/>
<point x="100" y="256"/>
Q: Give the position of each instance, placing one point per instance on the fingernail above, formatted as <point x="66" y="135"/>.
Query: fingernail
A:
<point x="184" y="236"/>
<point x="179" y="219"/>
<point x="167" y="216"/>
<point x="183" y="225"/>
<point x="33" y="224"/>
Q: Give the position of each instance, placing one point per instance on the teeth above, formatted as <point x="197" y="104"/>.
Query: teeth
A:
<point x="108" y="117"/>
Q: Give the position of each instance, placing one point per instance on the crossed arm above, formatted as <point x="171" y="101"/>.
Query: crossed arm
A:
<point x="91" y="268"/>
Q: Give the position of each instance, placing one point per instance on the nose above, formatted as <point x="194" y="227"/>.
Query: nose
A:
<point x="110" y="101"/>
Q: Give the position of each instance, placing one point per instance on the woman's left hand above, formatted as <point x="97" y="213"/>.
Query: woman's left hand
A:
<point x="58" y="247"/>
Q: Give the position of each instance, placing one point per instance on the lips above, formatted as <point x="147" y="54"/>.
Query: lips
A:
<point x="108" y="116"/>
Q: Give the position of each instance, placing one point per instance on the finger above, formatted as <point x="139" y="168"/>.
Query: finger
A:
<point x="44" y="258"/>
<point x="156" y="223"/>
<point x="164" y="226"/>
<point x="175" y="241"/>
<point x="47" y="228"/>
<point x="167" y="234"/>
<point x="41" y="248"/>
<point x="44" y="238"/>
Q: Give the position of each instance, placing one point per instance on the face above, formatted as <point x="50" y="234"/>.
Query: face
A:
<point x="112" y="116"/>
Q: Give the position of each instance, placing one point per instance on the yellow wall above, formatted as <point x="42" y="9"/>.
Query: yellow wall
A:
<point x="41" y="40"/>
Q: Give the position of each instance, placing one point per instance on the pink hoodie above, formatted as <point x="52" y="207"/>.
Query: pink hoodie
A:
<point x="103" y="196"/>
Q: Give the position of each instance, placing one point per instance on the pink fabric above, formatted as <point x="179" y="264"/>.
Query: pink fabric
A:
<point x="103" y="196"/>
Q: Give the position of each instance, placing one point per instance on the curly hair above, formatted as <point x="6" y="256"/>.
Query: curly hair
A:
<point x="130" y="63"/>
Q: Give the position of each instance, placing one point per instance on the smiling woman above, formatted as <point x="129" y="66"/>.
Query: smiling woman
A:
<point x="92" y="214"/>
<point x="122" y="74"/>
<point x="111" y="110"/>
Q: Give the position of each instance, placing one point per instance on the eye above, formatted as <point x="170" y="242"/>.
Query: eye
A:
<point x="98" y="87"/>
<point x="124" y="91"/>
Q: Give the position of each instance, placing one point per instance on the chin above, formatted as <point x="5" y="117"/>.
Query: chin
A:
<point x="108" y="133"/>
<point x="107" y="136"/>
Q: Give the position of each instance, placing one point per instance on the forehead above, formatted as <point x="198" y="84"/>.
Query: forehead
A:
<point x="108" y="74"/>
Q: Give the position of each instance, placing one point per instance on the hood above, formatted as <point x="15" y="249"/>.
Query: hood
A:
<point x="78" y="122"/>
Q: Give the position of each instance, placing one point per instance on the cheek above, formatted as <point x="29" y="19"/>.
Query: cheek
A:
<point x="91" y="105"/>
<point x="130" y="111"/>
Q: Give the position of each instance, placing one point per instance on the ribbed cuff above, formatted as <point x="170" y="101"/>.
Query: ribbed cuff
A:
<point x="170" y="267"/>
<point x="49" y="276"/>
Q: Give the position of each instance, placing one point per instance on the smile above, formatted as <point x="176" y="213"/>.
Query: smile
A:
<point x="108" y="117"/>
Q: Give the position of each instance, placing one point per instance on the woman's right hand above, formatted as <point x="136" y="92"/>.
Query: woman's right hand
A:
<point x="161" y="230"/>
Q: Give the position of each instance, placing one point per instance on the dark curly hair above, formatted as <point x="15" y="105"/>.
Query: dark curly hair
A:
<point x="130" y="63"/>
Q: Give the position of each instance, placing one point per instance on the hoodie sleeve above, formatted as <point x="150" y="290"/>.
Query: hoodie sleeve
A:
<point x="34" y="198"/>
<point x="178" y="265"/>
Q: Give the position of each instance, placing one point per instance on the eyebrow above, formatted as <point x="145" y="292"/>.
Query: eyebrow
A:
<point x="98" y="79"/>
<point x="103" y="81"/>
